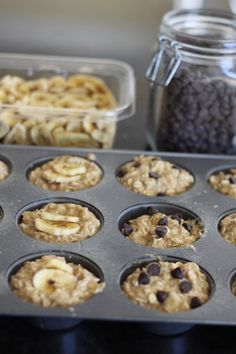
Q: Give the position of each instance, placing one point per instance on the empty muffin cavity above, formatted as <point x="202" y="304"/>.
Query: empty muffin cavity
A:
<point x="160" y="225"/>
<point x="65" y="173"/>
<point x="55" y="279"/>
<point x="153" y="176"/>
<point x="168" y="285"/>
<point x="59" y="220"/>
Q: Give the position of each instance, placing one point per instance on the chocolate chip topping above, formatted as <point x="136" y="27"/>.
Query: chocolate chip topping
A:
<point x="153" y="269"/>
<point x="127" y="229"/>
<point x="195" y="302"/>
<point x="177" y="273"/>
<point x="188" y="227"/>
<point x="161" y="194"/>
<point x="121" y="173"/>
<point x="152" y="210"/>
<point x="177" y="217"/>
<point x="51" y="282"/>
<point x="137" y="164"/>
<point x="232" y="180"/>
<point x="185" y="286"/>
<point x="162" y="296"/>
<point x="143" y="278"/>
<point x="163" y="221"/>
<point x="154" y="175"/>
<point x="161" y="231"/>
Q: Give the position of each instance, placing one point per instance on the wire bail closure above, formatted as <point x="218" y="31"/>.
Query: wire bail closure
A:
<point x="164" y="63"/>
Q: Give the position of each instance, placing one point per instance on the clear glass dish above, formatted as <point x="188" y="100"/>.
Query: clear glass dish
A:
<point x="78" y="127"/>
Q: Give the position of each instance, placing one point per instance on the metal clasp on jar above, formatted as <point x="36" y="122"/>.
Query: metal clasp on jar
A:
<point x="165" y="63"/>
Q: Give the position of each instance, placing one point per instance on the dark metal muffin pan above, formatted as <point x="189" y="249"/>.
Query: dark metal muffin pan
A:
<point x="109" y="249"/>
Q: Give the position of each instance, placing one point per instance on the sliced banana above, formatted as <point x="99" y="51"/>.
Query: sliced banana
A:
<point x="56" y="228"/>
<point x="57" y="263"/>
<point x="4" y="129"/>
<point x="58" y="217"/>
<point x="55" y="177"/>
<point x="68" y="169"/>
<point x="48" y="280"/>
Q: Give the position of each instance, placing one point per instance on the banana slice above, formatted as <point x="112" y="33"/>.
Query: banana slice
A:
<point x="57" y="263"/>
<point x="4" y="129"/>
<point x="48" y="280"/>
<point x="56" y="229"/>
<point x="55" y="177"/>
<point x="58" y="217"/>
<point x="68" y="169"/>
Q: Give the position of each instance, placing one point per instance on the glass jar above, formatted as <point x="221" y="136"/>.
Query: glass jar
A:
<point x="192" y="104"/>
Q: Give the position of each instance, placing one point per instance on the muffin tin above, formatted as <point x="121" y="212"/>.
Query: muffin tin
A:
<point x="109" y="251"/>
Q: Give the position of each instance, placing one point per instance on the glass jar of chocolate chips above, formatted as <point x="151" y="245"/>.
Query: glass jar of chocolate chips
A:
<point x="192" y="104"/>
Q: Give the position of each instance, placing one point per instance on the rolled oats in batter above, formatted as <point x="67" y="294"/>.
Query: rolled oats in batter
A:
<point x="66" y="173"/>
<point x="224" y="182"/>
<point x="4" y="171"/>
<point x="152" y="176"/>
<point x="156" y="229"/>
<point x="60" y="223"/>
<point x="50" y="281"/>
<point x="168" y="286"/>
<point x="227" y="228"/>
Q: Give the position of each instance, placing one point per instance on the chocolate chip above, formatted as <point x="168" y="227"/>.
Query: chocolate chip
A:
<point x="51" y="282"/>
<point x="162" y="296"/>
<point x="195" y="302"/>
<point x="232" y="180"/>
<point x="161" y="231"/>
<point x="153" y="175"/>
<point x="185" y="286"/>
<point x="161" y="194"/>
<point x="153" y="269"/>
<point x="127" y="229"/>
<point x="163" y="221"/>
<point x="177" y="273"/>
<point x="121" y="173"/>
<point x="188" y="227"/>
<point x="143" y="278"/>
<point x="137" y="164"/>
<point x="152" y="210"/>
<point x="177" y="217"/>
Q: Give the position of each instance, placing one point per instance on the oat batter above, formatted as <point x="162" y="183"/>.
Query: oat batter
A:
<point x="50" y="281"/>
<point x="66" y="173"/>
<point x="227" y="228"/>
<point x="168" y="286"/>
<point x="60" y="223"/>
<point x="4" y="171"/>
<point x="156" y="229"/>
<point x="224" y="182"/>
<point x="152" y="176"/>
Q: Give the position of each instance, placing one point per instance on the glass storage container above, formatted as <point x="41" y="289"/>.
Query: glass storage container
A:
<point x="29" y="114"/>
<point x="192" y="105"/>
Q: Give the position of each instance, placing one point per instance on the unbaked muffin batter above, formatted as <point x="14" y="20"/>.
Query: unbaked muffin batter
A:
<point x="168" y="286"/>
<point x="156" y="229"/>
<point x="152" y="176"/>
<point x="50" y="281"/>
<point x="66" y="173"/>
<point x="60" y="223"/>
<point x="4" y="171"/>
<point x="224" y="182"/>
<point x="227" y="228"/>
